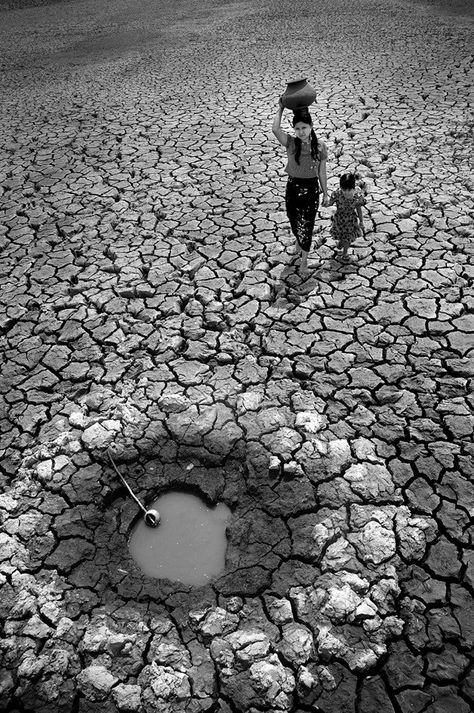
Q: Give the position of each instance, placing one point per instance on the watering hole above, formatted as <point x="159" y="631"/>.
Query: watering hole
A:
<point x="188" y="546"/>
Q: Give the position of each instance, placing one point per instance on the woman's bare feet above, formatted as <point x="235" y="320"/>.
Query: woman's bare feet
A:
<point x="297" y="251"/>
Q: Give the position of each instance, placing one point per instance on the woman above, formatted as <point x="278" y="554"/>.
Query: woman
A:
<point x="306" y="169"/>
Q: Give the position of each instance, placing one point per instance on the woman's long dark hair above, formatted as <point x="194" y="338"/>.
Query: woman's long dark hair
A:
<point x="305" y="118"/>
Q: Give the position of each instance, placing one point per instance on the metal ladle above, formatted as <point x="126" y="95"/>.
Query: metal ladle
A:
<point x="151" y="517"/>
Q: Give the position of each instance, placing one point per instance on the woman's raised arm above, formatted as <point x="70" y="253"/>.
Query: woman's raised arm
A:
<point x="281" y="135"/>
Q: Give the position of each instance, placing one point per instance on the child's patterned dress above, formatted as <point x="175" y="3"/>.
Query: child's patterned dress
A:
<point x="345" y="225"/>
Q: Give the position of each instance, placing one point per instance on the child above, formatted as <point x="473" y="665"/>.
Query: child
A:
<point x="347" y="221"/>
<point x="306" y="169"/>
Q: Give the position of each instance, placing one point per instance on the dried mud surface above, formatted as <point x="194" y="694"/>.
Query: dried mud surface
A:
<point x="150" y="304"/>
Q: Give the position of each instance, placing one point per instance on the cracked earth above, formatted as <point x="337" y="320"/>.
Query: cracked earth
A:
<point x="150" y="305"/>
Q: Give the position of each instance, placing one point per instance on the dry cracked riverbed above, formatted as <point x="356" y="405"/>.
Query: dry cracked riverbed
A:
<point x="149" y="303"/>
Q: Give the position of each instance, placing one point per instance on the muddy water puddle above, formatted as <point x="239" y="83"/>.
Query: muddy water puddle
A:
<point x="188" y="546"/>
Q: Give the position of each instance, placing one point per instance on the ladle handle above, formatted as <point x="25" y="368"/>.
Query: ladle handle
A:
<point x="125" y="482"/>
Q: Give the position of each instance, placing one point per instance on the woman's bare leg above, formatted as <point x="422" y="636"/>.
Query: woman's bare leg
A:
<point x="304" y="261"/>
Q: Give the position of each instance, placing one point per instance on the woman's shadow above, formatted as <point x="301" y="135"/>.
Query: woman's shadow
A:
<point x="325" y="269"/>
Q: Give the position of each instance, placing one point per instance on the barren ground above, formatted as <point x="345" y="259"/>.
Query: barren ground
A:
<point x="150" y="304"/>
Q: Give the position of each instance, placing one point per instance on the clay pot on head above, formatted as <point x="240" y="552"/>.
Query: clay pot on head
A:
<point x="298" y="95"/>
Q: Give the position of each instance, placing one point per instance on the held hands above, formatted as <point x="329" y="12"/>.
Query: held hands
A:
<point x="325" y="200"/>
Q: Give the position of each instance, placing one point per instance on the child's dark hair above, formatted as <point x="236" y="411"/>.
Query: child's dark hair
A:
<point x="347" y="181"/>
<point x="305" y="117"/>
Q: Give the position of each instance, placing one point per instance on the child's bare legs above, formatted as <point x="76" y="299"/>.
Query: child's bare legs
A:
<point x="342" y="249"/>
